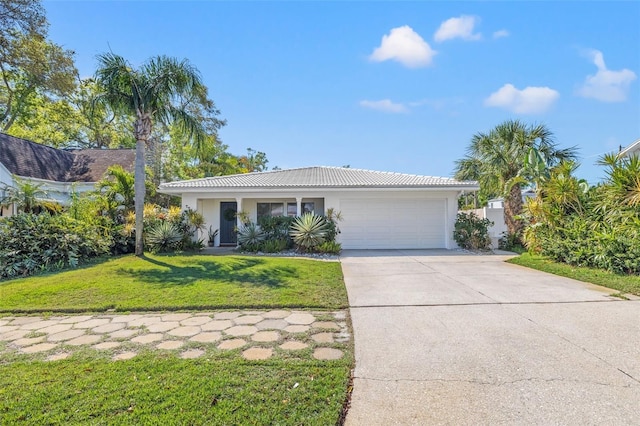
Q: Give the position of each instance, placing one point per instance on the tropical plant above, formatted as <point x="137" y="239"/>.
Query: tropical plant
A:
<point x="332" y="218"/>
<point x="309" y="231"/>
<point x="250" y="236"/>
<point x="164" y="236"/>
<point x="498" y="161"/>
<point x="472" y="232"/>
<point x="211" y="234"/>
<point x="118" y="188"/>
<point x="329" y="247"/>
<point x="159" y="90"/>
<point x="28" y="197"/>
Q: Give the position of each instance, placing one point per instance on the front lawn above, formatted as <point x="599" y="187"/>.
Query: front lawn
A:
<point x="159" y="387"/>
<point x="172" y="282"/>
<point x="623" y="283"/>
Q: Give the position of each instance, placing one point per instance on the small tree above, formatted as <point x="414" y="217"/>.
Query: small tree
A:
<point x="471" y="232"/>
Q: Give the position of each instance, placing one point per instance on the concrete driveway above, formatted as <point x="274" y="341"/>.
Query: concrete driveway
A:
<point x="443" y="337"/>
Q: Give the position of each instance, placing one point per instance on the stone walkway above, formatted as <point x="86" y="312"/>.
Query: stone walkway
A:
<point x="254" y="335"/>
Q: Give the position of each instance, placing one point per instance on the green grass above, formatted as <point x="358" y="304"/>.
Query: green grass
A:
<point x="165" y="390"/>
<point x="623" y="283"/>
<point x="171" y="282"/>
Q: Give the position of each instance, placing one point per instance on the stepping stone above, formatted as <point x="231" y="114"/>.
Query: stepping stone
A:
<point x="106" y="345"/>
<point x="161" y="327"/>
<point x="248" y="320"/>
<point x="170" y="345"/>
<point x="3" y="322"/>
<point x="265" y="336"/>
<point x="65" y="335"/>
<point x="8" y="328"/>
<point x="232" y="344"/>
<point x="341" y="315"/>
<point x="195" y="321"/>
<point x="40" y="347"/>
<point x="327" y="354"/>
<point x="125" y="318"/>
<point x="297" y="329"/>
<point x="109" y="328"/>
<point x="293" y="345"/>
<point x="14" y="334"/>
<point x="278" y="314"/>
<point x="76" y="319"/>
<point x="330" y="325"/>
<point x="300" y="319"/>
<point x="124" y="356"/>
<point x="144" y="321"/>
<point x="185" y="331"/>
<point x="53" y="329"/>
<point x="272" y="324"/>
<point x="209" y="337"/>
<point x="226" y="315"/>
<point x="87" y="339"/>
<point x="254" y="354"/>
<point x="38" y="324"/>
<point x="123" y="334"/>
<point x="241" y="330"/>
<point x="28" y="341"/>
<point x="58" y="357"/>
<point x="203" y="314"/>
<point x="176" y="317"/>
<point x="342" y="337"/>
<point x="147" y="338"/>
<point x="96" y="322"/>
<point x="193" y="353"/>
<point x="323" y="338"/>
<point x="24" y="320"/>
<point x="216" y="325"/>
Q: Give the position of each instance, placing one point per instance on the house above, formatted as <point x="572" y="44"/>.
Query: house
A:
<point x="60" y="172"/>
<point x="380" y="210"/>
<point x="633" y="149"/>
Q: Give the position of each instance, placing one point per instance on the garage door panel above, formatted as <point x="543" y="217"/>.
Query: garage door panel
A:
<point x="392" y="223"/>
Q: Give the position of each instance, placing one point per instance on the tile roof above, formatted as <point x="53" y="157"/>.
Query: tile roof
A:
<point x="29" y="159"/>
<point x="317" y="177"/>
<point x="631" y="149"/>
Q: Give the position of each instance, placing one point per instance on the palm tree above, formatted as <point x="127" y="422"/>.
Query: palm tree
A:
<point x="27" y="197"/>
<point x="498" y="160"/>
<point x="158" y="91"/>
<point x="118" y="188"/>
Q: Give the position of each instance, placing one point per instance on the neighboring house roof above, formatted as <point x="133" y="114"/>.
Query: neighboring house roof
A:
<point x="317" y="177"/>
<point x="634" y="148"/>
<point x="29" y="159"/>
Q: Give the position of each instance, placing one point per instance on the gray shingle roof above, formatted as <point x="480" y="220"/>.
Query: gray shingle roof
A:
<point x="29" y="159"/>
<point x="317" y="177"/>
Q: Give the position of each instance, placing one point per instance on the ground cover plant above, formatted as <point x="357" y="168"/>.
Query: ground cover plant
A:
<point x="171" y="282"/>
<point x="158" y="387"/>
<point x="621" y="282"/>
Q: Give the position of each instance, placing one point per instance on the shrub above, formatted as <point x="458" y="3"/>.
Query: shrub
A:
<point x="329" y="247"/>
<point x="164" y="236"/>
<point x="471" y="232"/>
<point x="31" y="243"/>
<point x="250" y="237"/>
<point x="309" y="231"/>
<point x="274" y="246"/>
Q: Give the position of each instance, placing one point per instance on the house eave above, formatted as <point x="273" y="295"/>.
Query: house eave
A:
<point x="240" y="190"/>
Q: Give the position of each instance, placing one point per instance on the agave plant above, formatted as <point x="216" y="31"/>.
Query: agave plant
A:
<point x="163" y="236"/>
<point x="250" y="236"/>
<point x="309" y="231"/>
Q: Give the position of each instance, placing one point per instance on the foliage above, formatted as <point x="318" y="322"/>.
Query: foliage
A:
<point x="276" y="227"/>
<point x="471" y="232"/>
<point x="163" y="237"/>
<point x="175" y="282"/>
<point x="309" y="231"/>
<point x="250" y="236"/>
<point x="329" y="247"/>
<point x="211" y="234"/>
<point x="503" y="162"/>
<point x="510" y="242"/>
<point x="32" y="243"/>
<point x="28" y="197"/>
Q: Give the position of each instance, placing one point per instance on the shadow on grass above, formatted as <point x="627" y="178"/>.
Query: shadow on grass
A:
<point x="244" y="271"/>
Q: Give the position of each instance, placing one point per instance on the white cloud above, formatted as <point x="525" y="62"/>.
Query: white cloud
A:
<point x="501" y="34"/>
<point x="461" y="27"/>
<point x="606" y="85"/>
<point x="406" y="46"/>
<point x="385" y="105"/>
<point x="530" y="100"/>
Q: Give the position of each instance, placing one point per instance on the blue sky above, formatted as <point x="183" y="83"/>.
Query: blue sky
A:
<point x="391" y="86"/>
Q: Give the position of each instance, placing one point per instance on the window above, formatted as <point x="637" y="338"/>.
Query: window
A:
<point x="308" y="208"/>
<point x="292" y="209"/>
<point x="270" y="209"/>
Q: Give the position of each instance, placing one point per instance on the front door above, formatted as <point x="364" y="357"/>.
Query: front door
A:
<point x="228" y="236"/>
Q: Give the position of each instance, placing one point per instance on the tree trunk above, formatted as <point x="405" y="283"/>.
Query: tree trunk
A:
<point x="512" y="208"/>
<point x="142" y="132"/>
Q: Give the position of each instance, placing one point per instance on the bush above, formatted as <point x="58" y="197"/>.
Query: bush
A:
<point x="164" y="236"/>
<point x="471" y="232"/>
<point x="309" y="231"/>
<point x="329" y="247"/>
<point x="30" y="243"/>
<point x="250" y="237"/>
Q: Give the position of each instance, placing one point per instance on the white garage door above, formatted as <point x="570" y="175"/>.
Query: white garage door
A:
<point x="392" y="223"/>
